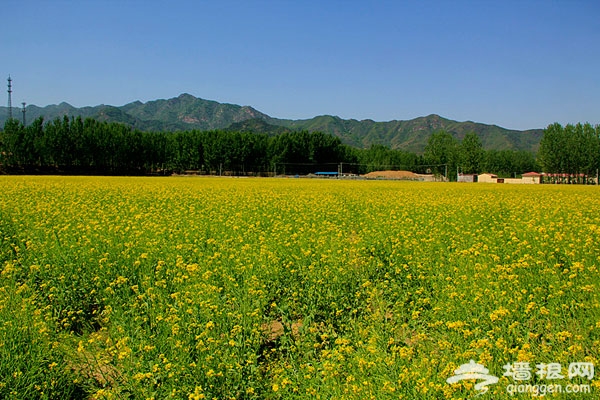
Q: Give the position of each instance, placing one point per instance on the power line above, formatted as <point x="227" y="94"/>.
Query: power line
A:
<point x="363" y="164"/>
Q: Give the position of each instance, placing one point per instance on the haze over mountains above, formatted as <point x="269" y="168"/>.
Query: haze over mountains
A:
<point x="187" y="112"/>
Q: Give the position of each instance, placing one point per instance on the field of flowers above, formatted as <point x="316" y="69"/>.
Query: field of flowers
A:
<point x="193" y="288"/>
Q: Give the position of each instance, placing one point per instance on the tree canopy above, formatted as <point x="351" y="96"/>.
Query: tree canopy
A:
<point x="89" y="146"/>
<point x="572" y="149"/>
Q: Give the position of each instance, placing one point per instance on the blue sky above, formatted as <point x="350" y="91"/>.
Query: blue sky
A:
<point x="517" y="64"/>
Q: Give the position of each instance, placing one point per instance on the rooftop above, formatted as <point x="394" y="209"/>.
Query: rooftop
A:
<point x="532" y="174"/>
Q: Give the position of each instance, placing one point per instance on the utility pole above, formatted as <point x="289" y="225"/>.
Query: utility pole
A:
<point x="9" y="97"/>
<point x="23" y="111"/>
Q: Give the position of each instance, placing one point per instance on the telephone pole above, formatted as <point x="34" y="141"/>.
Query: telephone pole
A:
<point x="23" y="111"/>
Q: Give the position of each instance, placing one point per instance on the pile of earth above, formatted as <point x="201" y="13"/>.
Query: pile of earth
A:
<point x="391" y="175"/>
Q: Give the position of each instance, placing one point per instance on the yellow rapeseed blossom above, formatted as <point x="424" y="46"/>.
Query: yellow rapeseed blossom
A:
<point x="291" y="288"/>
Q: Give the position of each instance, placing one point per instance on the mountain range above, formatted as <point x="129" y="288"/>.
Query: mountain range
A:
<point x="187" y="112"/>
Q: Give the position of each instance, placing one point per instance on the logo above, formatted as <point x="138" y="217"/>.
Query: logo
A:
<point x="522" y="372"/>
<point x="476" y="371"/>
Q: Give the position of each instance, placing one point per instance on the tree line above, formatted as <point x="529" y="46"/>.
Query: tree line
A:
<point x="91" y="146"/>
<point x="76" y="145"/>
<point x="451" y="156"/>
<point x="572" y="151"/>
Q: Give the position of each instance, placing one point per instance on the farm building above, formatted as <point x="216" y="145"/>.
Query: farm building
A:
<point x="467" y="178"/>
<point x="487" y="178"/>
<point x="527" y="178"/>
<point x="532" y="177"/>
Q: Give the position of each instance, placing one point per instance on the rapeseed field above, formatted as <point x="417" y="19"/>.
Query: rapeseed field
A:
<point x="224" y="288"/>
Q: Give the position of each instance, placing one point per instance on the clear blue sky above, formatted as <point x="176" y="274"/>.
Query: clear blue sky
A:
<point x="518" y="64"/>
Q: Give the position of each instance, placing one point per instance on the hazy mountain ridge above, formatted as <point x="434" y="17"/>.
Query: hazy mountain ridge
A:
<point x="412" y="135"/>
<point x="187" y="112"/>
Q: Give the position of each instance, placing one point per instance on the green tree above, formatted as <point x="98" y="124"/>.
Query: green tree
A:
<point x="573" y="149"/>
<point x="589" y="148"/>
<point x="551" y="153"/>
<point x="13" y="143"/>
<point x="471" y="154"/>
<point x="441" y="152"/>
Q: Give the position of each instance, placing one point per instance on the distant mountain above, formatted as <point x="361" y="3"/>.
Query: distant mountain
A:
<point x="187" y="112"/>
<point x="412" y="135"/>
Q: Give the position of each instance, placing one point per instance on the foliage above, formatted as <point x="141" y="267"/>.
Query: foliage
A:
<point x="193" y="288"/>
<point x="76" y="146"/>
<point x="379" y="157"/>
<point x="471" y="154"/>
<point x="90" y="146"/>
<point x="573" y="149"/>
<point x="442" y="151"/>
<point x="507" y="163"/>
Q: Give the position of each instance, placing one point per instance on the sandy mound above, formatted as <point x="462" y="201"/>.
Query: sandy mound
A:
<point x="391" y="175"/>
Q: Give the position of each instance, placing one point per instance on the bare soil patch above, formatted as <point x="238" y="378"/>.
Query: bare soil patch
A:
<point x="391" y="175"/>
<point x="275" y="329"/>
